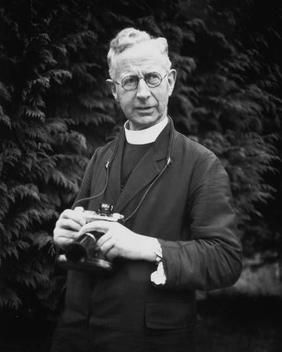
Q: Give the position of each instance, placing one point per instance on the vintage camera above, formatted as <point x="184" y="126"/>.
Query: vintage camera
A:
<point x="83" y="253"/>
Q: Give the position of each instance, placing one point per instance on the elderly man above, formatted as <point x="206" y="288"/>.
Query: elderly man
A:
<point x="178" y="232"/>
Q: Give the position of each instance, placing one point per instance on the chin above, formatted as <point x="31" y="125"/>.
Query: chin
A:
<point x="142" y="122"/>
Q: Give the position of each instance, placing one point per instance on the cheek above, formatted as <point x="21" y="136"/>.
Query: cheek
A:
<point x="126" y="101"/>
<point x="162" y="99"/>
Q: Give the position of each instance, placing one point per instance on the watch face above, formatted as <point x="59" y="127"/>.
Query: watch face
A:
<point x="158" y="252"/>
<point x="159" y="258"/>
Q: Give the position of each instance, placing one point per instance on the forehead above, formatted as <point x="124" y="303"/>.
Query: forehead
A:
<point x="141" y="57"/>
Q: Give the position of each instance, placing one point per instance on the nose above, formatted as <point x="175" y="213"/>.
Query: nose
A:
<point x="143" y="91"/>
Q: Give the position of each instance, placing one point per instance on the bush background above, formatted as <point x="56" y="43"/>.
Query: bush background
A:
<point x="55" y="109"/>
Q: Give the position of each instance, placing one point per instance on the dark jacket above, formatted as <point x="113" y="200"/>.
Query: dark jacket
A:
<point x="179" y="193"/>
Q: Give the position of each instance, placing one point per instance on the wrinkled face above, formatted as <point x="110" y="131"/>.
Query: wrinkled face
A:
<point x="143" y="106"/>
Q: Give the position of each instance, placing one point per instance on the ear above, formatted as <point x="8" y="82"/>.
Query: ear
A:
<point x="171" y="78"/>
<point x="113" y="88"/>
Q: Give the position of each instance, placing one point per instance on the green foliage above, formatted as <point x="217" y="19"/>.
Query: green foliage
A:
<point x="55" y="109"/>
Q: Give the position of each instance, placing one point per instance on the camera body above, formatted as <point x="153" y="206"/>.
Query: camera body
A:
<point x="83" y="254"/>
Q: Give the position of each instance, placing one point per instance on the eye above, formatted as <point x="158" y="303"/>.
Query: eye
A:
<point x="153" y="79"/>
<point x="129" y="82"/>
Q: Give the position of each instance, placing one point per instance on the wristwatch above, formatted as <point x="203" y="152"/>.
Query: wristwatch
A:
<point x="158" y="252"/>
<point x="158" y="277"/>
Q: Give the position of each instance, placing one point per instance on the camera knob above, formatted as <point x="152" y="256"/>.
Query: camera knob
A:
<point x="106" y="209"/>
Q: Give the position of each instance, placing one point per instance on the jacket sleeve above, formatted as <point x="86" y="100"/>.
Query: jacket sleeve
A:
<point x="212" y="258"/>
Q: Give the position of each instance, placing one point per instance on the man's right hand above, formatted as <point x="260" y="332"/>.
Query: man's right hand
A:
<point x="68" y="226"/>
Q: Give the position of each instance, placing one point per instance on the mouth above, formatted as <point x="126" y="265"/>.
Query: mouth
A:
<point x="144" y="108"/>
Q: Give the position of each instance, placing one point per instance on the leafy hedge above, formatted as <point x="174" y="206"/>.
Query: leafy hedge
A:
<point x="55" y="109"/>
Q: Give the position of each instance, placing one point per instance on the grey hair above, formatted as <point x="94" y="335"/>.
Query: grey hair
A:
<point x="129" y="37"/>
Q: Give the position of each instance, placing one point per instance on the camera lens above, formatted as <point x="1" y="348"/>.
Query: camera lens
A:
<point x="75" y="252"/>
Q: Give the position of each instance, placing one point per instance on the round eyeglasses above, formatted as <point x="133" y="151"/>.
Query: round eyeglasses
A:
<point x="152" y="79"/>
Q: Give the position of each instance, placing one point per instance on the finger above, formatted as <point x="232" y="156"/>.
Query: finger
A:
<point x="68" y="224"/>
<point x="61" y="233"/>
<point x="97" y="225"/>
<point x="76" y="216"/>
<point x="63" y="240"/>
<point x="107" y="246"/>
<point x="111" y="254"/>
<point x="104" y="238"/>
<point x="78" y="209"/>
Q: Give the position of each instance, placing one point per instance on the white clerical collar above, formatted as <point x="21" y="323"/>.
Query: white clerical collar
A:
<point x="148" y="135"/>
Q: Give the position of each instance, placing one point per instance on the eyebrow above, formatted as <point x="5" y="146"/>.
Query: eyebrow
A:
<point x="139" y="72"/>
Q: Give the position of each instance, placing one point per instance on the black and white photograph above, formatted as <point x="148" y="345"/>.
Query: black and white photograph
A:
<point x="140" y="176"/>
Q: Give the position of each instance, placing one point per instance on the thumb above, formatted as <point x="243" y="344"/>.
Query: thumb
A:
<point x="78" y="209"/>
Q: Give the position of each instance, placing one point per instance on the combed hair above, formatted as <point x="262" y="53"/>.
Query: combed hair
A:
<point x="129" y="37"/>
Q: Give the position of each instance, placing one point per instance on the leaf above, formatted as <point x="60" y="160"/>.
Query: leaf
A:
<point x="59" y="75"/>
<point x="34" y="112"/>
<point x="4" y="93"/>
<point x="9" y="298"/>
<point x="4" y="119"/>
<point x="25" y="191"/>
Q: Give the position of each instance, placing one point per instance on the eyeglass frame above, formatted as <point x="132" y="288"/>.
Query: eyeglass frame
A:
<point x="140" y="77"/>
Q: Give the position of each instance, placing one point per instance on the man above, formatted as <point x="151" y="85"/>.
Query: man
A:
<point x="178" y="234"/>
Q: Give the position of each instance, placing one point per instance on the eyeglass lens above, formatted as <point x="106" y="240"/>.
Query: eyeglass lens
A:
<point x="152" y="79"/>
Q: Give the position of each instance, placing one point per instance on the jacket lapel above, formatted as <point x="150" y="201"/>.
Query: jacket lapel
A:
<point x="145" y="171"/>
<point x="114" y="183"/>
